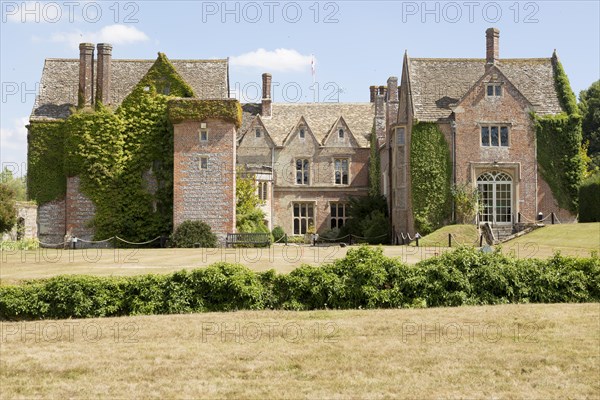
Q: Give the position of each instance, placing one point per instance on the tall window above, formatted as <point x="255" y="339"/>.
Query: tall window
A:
<point x="263" y="190"/>
<point x="203" y="162"/>
<point x="302" y="133"/>
<point x="494" y="136"/>
<point x="341" y="133"/>
<point x="338" y="215"/>
<point x="203" y="135"/>
<point x="304" y="215"/>
<point x="400" y="139"/>
<point x="341" y="171"/>
<point x="302" y="171"/>
<point x="257" y="132"/>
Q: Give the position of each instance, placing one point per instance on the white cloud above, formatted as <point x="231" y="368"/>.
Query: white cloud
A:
<point x="277" y="60"/>
<point x="13" y="143"/>
<point x="116" y="34"/>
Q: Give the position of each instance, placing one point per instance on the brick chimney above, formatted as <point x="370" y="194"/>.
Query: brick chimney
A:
<point x="266" y="95"/>
<point x="103" y="73"/>
<point x="492" y="45"/>
<point x="86" y="74"/>
<point x="372" y="93"/>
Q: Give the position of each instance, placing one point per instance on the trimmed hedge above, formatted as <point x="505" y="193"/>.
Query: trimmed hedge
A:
<point x="589" y="206"/>
<point x="365" y="278"/>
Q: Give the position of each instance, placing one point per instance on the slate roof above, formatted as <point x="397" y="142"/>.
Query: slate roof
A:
<point x="437" y="82"/>
<point x="60" y="82"/>
<point x="320" y="118"/>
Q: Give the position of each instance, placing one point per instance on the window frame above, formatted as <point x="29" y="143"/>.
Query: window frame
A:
<point x="308" y="217"/>
<point x="398" y="136"/>
<point x="335" y="171"/>
<point x="302" y="133"/>
<point x="203" y="131"/>
<point x="203" y="161"/>
<point x="336" y="205"/>
<point x="304" y="170"/>
<point x="341" y="133"/>
<point x="497" y="90"/>
<point x="257" y="132"/>
<point x="501" y="131"/>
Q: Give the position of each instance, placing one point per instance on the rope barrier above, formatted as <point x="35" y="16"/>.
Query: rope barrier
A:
<point x="95" y="241"/>
<point x="53" y="245"/>
<point x="128" y="242"/>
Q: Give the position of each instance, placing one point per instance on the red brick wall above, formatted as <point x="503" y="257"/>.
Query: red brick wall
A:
<point x="207" y="195"/>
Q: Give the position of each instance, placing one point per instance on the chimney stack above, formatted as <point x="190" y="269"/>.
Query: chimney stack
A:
<point x="103" y="73"/>
<point x="86" y="74"/>
<point x="372" y="93"/>
<point x="266" y="95"/>
<point x="382" y="90"/>
<point x="392" y="89"/>
<point x="492" y="45"/>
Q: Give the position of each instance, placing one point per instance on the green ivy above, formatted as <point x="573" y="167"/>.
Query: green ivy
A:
<point x="558" y="145"/>
<point x="45" y="178"/>
<point x="229" y="110"/>
<point x="118" y="153"/>
<point x="374" y="165"/>
<point x="431" y="174"/>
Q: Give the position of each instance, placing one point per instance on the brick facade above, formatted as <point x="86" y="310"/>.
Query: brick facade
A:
<point x="206" y="194"/>
<point x="79" y="211"/>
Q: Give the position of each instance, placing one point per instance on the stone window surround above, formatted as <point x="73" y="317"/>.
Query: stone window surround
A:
<point x="202" y="131"/>
<point x="203" y="163"/>
<point x="333" y="159"/>
<point x="477" y="168"/>
<point x="497" y="87"/>
<point x="481" y="124"/>
<point x="295" y="166"/>
<point x="337" y="217"/>
<point x="313" y="204"/>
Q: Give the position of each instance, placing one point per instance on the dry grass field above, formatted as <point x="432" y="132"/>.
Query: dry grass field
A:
<point x="18" y="265"/>
<point x="513" y="351"/>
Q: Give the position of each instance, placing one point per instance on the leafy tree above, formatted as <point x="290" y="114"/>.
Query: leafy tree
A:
<point x="8" y="210"/>
<point x="249" y="217"/>
<point x="466" y="203"/>
<point x="16" y="184"/>
<point x="589" y="106"/>
<point x="367" y="217"/>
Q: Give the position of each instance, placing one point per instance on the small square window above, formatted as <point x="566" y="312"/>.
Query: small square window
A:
<point x="203" y="162"/>
<point x="494" y="90"/>
<point x="257" y="132"/>
<point x="341" y="133"/>
<point x="302" y="134"/>
<point x="204" y="136"/>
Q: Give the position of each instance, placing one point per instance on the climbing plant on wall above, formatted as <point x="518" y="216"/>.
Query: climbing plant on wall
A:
<point x="431" y="173"/>
<point x="45" y="176"/>
<point x="374" y="165"/>
<point x="559" y="145"/>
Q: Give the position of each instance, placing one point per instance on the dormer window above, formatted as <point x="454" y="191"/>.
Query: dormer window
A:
<point x="257" y="132"/>
<point x="494" y="90"/>
<point x="302" y="133"/>
<point x="341" y="133"/>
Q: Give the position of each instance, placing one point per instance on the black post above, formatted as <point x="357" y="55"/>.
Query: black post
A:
<point x="449" y="240"/>
<point x="552" y="217"/>
<point x="286" y="239"/>
<point x="519" y="217"/>
<point x="417" y="240"/>
<point x="481" y="240"/>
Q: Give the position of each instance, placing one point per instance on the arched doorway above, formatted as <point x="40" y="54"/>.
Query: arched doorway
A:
<point x="495" y="190"/>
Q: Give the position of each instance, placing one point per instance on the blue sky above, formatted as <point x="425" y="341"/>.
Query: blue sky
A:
<point x="355" y="44"/>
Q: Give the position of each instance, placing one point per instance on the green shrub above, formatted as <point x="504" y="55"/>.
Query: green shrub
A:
<point x="278" y="233"/>
<point x="365" y="278"/>
<point x="194" y="233"/>
<point x="589" y="194"/>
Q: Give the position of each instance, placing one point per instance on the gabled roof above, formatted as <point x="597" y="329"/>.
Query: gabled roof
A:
<point x="320" y="118"/>
<point x="60" y="82"/>
<point x="438" y="82"/>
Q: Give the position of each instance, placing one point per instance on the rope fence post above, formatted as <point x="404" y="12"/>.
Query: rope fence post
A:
<point x="552" y="217"/>
<point x="449" y="240"/>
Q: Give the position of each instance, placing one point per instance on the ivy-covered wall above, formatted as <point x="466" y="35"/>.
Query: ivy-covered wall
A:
<point x="123" y="157"/>
<point x="559" y="145"/>
<point x="46" y="180"/>
<point x="431" y="175"/>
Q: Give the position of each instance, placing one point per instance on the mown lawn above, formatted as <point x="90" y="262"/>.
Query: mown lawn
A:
<point x="514" y="351"/>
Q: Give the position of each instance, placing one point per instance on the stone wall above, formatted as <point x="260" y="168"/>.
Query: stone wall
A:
<point x="51" y="222"/>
